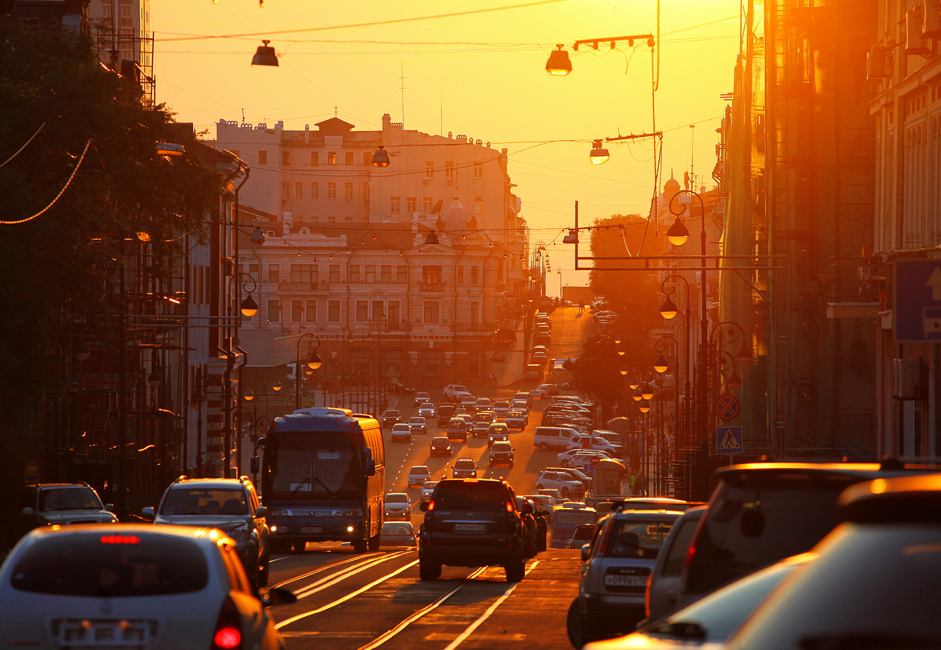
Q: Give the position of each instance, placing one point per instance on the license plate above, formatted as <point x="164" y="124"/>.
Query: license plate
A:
<point x="311" y="529"/>
<point x="101" y="634"/>
<point x="469" y="528"/>
<point x="625" y="581"/>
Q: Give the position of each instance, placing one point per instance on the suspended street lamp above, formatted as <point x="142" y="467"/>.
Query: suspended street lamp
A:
<point x="677" y="233"/>
<point x="599" y="155"/>
<point x="558" y="63"/>
<point x="660" y="365"/>
<point x="265" y="55"/>
<point x="668" y="309"/>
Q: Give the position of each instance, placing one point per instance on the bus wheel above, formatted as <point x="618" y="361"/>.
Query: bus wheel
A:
<point x="359" y="546"/>
<point x="300" y="545"/>
<point x="374" y="542"/>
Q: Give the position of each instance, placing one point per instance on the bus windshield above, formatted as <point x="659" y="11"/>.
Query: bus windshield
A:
<point x="311" y="464"/>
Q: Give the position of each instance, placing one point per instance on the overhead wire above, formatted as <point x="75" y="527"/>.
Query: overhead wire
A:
<point x="57" y="197"/>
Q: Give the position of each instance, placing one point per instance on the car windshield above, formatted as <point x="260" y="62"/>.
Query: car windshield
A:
<point x="501" y="446"/>
<point x="396" y="498"/>
<point x="416" y="420"/>
<point x="400" y="427"/>
<point x="418" y="470"/>
<point x="393" y="414"/>
<point x="636" y="538"/>
<point x="391" y="529"/>
<point x="111" y="566"/>
<point x="69" y="498"/>
<point x="470" y="496"/>
<point x="204" y="501"/>
<point x="429" y="485"/>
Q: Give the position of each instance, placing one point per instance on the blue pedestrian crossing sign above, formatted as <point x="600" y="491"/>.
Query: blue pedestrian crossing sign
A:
<point x="729" y="440"/>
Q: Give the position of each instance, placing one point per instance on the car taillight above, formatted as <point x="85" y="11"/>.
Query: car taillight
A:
<point x="690" y="553"/>
<point x="509" y="506"/>
<point x="603" y="544"/>
<point x="228" y="634"/>
<point x="647" y="596"/>
<point x="431" y="506"/>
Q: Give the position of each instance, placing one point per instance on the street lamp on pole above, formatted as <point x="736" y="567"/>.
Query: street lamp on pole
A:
<point x="669" y="311"/>
<point x="313" y="362"/>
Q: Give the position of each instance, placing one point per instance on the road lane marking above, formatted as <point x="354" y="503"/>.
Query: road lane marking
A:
<point x="340" y="576"/>
<point x="355" y="558"/>
<point x="345" y="598"/>
<point x="490" y="610"/>
<point x="378" y="641"/>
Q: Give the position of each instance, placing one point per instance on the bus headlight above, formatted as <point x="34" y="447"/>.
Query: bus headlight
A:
<point x="349" y="529"/>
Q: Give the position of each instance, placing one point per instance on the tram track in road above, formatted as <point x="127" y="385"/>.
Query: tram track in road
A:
<point x="328" y="567"/>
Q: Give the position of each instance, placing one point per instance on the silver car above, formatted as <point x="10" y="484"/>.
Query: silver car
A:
<point x="134" y="586"/>
<point x="398" y="506"/>
<point x="427" y="489"/>
<point x="397" y="533"/>
<point x="427" y="410"/>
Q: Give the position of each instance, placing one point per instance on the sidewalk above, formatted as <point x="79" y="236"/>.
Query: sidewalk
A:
<point x="512" y="371"/>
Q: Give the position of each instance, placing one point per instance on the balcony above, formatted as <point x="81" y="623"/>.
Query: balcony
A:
<point x="303" y="287"/>
<point x="488" y="328"/>
<point x="432" y="286"/>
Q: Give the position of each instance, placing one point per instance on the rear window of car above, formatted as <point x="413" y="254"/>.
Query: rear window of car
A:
<point x="204" y="501"/>
<point x="69" y="498"/>
<point x="757" y="520"/>
<point x="502" y="446"/>
<point x="464" y="463"/>
<point x="636" y="538"/>
<point x="471" y="496"/>
<point x="440" y="441"/>
<point x="575" y="517"/>
<point x="111" y="566"/>
<point x="396" y="529"/>
<point x="401" y="426"/>
<point x="457" y="422"/>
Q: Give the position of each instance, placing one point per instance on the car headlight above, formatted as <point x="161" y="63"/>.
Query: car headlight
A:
<point x="241" y="533"/>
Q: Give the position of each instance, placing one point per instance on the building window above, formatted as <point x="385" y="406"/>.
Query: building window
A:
<point x="371" y="273"/>
<point x="460" y="275"/>
<point x="311" y="311"/>
<point x="334" y="273"/>
<point x="303" y="273"/>
<point x="362" y="310"/>
<point x="350" y="219"/>
<point x="262" y="157"/>
<point x="298" y="190"/>
<point x="473" y="275"/>
<point x="386" y="274"/>
<point x="353" y="274"/>
<point x="297" y="311"/>
<point x="401" y="274"/>
<point x="348" y="191"/>
<point x="432" y="311"/>
<point x="394" y="204"/>
<point x="378" y="312"/>
<point x="426" y="204"/>
<point x="431" y="278"/>
<point x="393" y="312"/>
<point x="286" y="158"/>
<point x="333" y="311"/>
<point x="478" y="204"/>
<point x="254" y="270"/>
<point x="315" y="219"/>
<point x="331" y="157"/>
<point x="314" y="158"/>
<point x="274" y="273"/>
<point x="478" y="171"/>
<point x="274" y="311"/>
<point x="367" y="159"/>
<point x="331" y="219"/>
<point x="285" y="190"/>
<point x="474" y="313"/>
<point x="331" y="190"/>
<point x="430" y="169"/>
<point x="314" y="191"/>
<point x="449" y="170"/>
<point x="411" y="204"/>
<point x="349" y="157"/>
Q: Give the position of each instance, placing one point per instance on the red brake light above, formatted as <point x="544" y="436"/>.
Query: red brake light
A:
<point x="228" y="634"/>
<point x="690" y="553"/>
<point x="647" y="595"/>
<point x="431" y="506"/>
<point x="509" y="506"/>
<point x="120" y="539"/>
<point x="228" y="637"/>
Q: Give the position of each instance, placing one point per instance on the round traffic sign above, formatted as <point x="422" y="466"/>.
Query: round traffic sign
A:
<point x="595" y="460"/>
<point x="728" y="406"/>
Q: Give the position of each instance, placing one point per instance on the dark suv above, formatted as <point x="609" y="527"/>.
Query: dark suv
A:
<point x="764" y="512"/>
<point x="229" y="504"/>
<point x="472" y="522"/>
<point x="59" y="504"/>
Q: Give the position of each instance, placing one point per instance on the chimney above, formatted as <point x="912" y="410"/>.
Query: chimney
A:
<point x="386" y="123"/>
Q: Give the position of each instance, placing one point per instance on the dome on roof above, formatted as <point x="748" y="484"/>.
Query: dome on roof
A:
<point x="670" y="188"/>
<point x="456" y="216"/>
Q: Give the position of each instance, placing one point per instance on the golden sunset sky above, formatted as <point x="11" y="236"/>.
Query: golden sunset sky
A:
<point x="480" y="73"/>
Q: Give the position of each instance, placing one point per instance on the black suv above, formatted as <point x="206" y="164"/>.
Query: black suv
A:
<point x="472" y="522"/>
<point x="58" y="504"/>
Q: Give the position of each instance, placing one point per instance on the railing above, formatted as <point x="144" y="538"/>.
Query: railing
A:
<point x="303" y="286"/>
<point x="474" y="327"/>
<point x="432" y="286"/>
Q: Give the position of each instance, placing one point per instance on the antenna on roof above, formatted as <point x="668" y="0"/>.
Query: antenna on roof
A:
<point x="402" y="78"/>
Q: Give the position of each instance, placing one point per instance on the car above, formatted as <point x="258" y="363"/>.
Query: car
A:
<point x="565" y="458"/>
<point x="401" y="432"/>
<point x="483" y="404"/>
<point x="427" y="410"/>
<point x="397" y="533"/>
<point x="439" y="446"/>
<point x="398" y="506"/>
<point x="519" y="405"/>
<point x="709" y="622"/>
<point x="457" y="429"/>
<point x="229" y="504"/>
<point x="525" y="396"/>
<point x="468" y="421"/>
<point x="892" y="531"/>
<point x="460" y="410"/>
<point x="485" y="415"/>
<point x="497" y="431"/>
<point x="573" y="474"/>
<point x="664" y="583"/>
<point x="544" y="502"/>
<point x="56" y="504"/>
<point x="138" y="586"/>
<point x="527" y="512"/>
<point x="501" y="408"/>
<point x="583" y="535"/>
<point x="533" y="371"/>
<point x="391" y="417"/>
<point x="797" y="509"/>
<point x="481" y="429"/>
<point x="501" y="453"/>
<point x="421" y="398"/>
<point x="417" y="424"/>
<point x="538" y="356"/>
<point x="469" y="402"/>
<point x="516" y="420"/>
<point x="550" y="492"/>
<point x="595" y="443"/>
<point x="464" y="467"/>
<point x="417" y="475"/>
<point x="611" y="436"/>
<point x="543" y="391"/>
<point x="427" y="489"/>
<point x="454" y="392"/>
<point x="553" y="437"/>
<point x="566" y="486"/>
<point x="584" y="458"/>
<point x="610" y="599"/>
<point x="472" y="522"/>
<point x="444" y="413"/>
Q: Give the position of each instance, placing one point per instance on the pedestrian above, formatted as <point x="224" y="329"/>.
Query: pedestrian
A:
<point x="491" y="379"/>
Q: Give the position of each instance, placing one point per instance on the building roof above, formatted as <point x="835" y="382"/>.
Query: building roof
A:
<point x="334" y="126"/>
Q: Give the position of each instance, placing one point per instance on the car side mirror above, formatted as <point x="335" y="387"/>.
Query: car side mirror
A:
<point x="423" y="506"/>
<point x="586" y="551"/>
<point x="262" y="511"/>
<point x="148" y="513"/>
<point x="370" y="467"/>
<point x="278" y="596"/>
<point x="109" y="507"/>
<point x="27" y="511"/>
<point x="255" y="464"/>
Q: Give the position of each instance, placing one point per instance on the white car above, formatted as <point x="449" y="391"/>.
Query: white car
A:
<point x="482" y="404"/>
<point x="454" y="392"/>
<point x="132" y="585"/>
<point x="555" y="481"/>
<point x="595" y="443"/>
<point x="565" y="458"/>
<point x="417" y="475"/>
<point x="401" y="431"/>
<point x="516" y="420"/>
<point x="543" y="501"/>
<point x="427" y="410"/>
<point x="421" y="398"/>
<point x="519" y="405"/>
<point x="501" y="408"/>
<point x="417" y="424"/>
<point x="397" y="533"/>
<point x="582" y="458"/>
<point x="427" y="489"/>
<point x="398" y="506"/>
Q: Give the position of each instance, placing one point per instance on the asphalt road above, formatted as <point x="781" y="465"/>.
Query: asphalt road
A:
<point x="363" y="601"/>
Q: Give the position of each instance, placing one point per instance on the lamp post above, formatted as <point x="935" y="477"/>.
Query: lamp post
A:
<point x="661" y="365"/>
<point x="669" y="310"/>
<point x="313" y="362"/>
